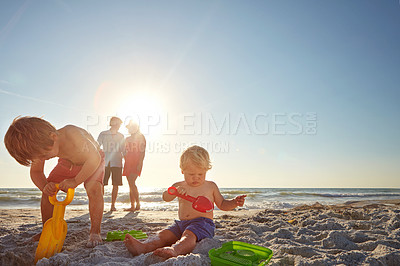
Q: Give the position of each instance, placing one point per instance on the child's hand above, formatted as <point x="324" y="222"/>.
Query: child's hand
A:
<point x="49" y="189"/>
<point x="68" y="183"/>
<point x="239" y="200"/>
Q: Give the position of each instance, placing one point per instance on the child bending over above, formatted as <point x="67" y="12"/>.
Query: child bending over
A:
<point x="193" y="226"/>
<point x="32" y="141"/>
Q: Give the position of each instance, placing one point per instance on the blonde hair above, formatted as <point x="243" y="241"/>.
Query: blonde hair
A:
<point x="197" y="156"/>
<point x="28" y="137"/>
<point x="133" y="127"/>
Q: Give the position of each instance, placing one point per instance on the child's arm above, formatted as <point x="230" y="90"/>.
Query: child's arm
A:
<point x="89" y="154"/>
<point x="168" y="197"/>
<point x="227" y="205"/>
<point x="88" y="168"/>
<point x="39" y="179"/>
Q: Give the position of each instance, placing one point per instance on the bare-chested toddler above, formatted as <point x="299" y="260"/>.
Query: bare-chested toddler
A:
<point x="181" y="237"/>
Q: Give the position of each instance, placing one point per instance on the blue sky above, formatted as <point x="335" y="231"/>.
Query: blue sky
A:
<point x="309" y="88"/>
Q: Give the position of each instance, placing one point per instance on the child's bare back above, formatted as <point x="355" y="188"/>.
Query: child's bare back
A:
<point x="77" y="144"/>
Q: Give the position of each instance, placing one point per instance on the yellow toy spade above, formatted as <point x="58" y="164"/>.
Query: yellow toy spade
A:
<point x="55" y="229"/>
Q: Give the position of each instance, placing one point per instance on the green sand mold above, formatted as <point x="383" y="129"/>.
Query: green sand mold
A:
<point x="120" y="235"/>
<point x="239" y="253"/>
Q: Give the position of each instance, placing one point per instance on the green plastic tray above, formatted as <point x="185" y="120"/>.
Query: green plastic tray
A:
<point x="120" y="235"/>
<point x="239" y="253"/>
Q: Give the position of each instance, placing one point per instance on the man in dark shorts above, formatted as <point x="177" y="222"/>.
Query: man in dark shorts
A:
<point x="113" y="144"/>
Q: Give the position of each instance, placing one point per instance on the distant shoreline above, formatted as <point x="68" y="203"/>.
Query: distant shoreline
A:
<point x="257" y="198"/>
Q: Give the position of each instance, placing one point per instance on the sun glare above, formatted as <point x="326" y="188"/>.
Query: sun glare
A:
<point x="144" y="109"/>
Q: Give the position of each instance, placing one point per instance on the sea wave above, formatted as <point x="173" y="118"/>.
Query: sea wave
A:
<point x="257" y="198"/>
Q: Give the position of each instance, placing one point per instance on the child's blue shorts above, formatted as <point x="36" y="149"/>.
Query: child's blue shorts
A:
<point x="202" y="227"/>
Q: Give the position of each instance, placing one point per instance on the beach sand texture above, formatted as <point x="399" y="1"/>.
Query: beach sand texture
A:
<point x="366" y="233"/>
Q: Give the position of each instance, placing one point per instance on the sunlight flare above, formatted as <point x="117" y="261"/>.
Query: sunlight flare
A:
<point x="144" y="109"/>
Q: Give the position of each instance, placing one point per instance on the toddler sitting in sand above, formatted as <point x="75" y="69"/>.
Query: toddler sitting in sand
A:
<point x="32" y="141"/>
<point x="193" y="225"/>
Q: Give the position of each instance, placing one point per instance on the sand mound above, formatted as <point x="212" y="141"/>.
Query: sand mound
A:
<point x="307" y="235"/>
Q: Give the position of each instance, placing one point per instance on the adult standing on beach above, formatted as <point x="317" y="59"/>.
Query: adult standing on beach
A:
<point x="135" y="146"/>
<point x="113" y="144"/>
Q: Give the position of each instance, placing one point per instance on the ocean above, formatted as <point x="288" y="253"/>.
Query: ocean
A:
<point x="257" y="198"/>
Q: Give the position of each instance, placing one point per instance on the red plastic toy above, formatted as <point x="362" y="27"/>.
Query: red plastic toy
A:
<point x="201" y="203"/>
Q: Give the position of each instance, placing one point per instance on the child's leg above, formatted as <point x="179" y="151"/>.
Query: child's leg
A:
<point x="165" y="238"/>
<point x="94" y="190"/>
<point x="184" y="246"/>
<point x="46" y="209"/>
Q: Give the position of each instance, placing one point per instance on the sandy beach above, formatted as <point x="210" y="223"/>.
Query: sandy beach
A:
<point x="357" y="233"/>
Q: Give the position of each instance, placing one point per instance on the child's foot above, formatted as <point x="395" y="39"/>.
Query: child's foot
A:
<point x="94" y="240"/>
<point x="133" y="245"/>
<point x="113" y="208"/>
<point x="137" y="207"/>
<point x="165" y="252"/>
